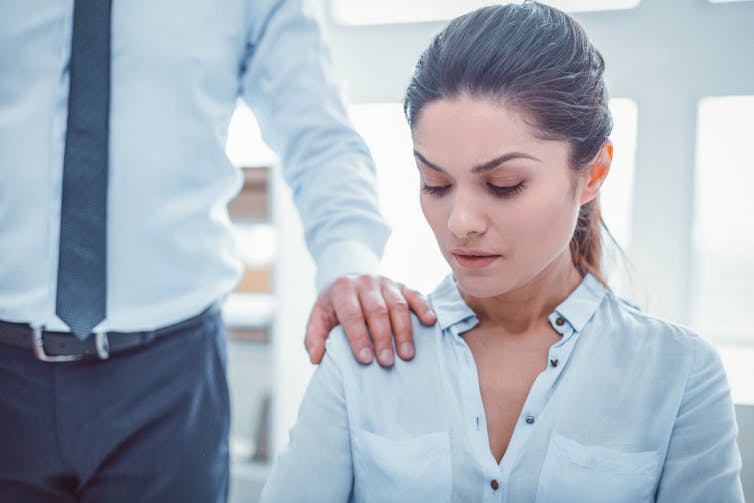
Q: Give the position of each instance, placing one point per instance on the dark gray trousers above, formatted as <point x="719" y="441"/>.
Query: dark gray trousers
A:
<point x="147" y="425"/>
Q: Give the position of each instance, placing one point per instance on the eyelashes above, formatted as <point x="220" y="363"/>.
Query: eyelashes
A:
<point x="506" y="191"/>
<point x="495" y="190"/>
<point x="435" y="190"/>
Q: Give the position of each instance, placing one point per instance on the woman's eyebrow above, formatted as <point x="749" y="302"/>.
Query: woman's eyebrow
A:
<point x="429" y="164"/>
<point x="487" y="166"/>
<point x="494" y="163"/>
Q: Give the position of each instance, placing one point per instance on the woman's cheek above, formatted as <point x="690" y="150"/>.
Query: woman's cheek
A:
<point x="433" y="215"/>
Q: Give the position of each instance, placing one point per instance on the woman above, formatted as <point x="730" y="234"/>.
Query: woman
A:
<point x="537" y="383"/>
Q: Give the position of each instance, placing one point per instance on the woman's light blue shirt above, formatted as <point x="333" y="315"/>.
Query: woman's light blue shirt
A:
<point x="628" y="409"/>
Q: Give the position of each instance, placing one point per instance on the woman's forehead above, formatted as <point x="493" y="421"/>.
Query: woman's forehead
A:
<point x="473" y="131"/>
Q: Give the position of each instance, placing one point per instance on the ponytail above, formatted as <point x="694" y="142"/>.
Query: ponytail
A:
<point x="586" y="243"/>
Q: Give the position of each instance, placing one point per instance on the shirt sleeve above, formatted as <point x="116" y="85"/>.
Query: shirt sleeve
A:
<point x="288" y="81"/>
<point x="703" y="463"/>
<point x="316" y="466"/>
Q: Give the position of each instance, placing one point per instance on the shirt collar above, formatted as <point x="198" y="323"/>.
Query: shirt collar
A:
<point x="448" y="304"/>
<point x="577" y="309"/>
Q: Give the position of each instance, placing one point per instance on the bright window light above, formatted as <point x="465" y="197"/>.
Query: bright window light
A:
<point x="616" y="193"/>
<point x="616" y="198"/>
<point x="366" y="12"/>
<point x="411" y="255"/>
<point x="722" y="294"/>
<point x="245" y="146"/>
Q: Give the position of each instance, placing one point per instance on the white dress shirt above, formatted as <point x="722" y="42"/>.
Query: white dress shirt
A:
<point x="634" y="409"/>
<point x="177" y="70"/>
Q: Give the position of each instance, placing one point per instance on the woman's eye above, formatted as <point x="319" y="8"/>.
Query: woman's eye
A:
<point x="435" y="190"/>
<point x="505" y="191"/>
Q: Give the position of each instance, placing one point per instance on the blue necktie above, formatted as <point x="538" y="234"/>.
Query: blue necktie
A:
<point x="81" y="289"/>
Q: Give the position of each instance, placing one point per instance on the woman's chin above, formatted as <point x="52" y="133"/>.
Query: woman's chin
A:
<point x="480" y="286"/>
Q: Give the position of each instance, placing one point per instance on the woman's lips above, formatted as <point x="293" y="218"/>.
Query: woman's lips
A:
<point x="473" y="259"/>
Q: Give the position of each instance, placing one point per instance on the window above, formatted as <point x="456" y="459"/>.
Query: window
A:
<point x="616" y="197"/>
<point x="365" y="12"/>
<point x="723" y="292"/>
<point x="411" y="255"/>
<point x="245" y="146"/>
<point x="723" y="262"/>
<point x="617" y="191"/>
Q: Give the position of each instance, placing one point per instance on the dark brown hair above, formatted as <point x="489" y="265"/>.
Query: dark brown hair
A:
<point x="539" y="60"/>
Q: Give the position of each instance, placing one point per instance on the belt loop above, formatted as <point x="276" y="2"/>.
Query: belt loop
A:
<point x="103" y="345"/>
<point x="37" y="342"/>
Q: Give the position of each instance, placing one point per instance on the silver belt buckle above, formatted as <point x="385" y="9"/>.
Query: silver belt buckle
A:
<point x="103" y="348"/>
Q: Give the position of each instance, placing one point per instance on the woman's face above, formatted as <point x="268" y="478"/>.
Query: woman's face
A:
<point x="502" y="202"/>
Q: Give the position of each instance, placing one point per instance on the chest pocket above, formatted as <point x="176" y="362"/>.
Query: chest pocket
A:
<point x="573" y="472"/>
<point x="412" y="470"/>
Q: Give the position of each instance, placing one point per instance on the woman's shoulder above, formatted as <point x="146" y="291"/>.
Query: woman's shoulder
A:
<point x="399" y="401"/>
<point x="629" y="325"/>
<point x="425" y="343"/>
<point x="632" y="320"/>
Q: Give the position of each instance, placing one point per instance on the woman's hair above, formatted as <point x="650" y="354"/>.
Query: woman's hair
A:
<point x="538" y="60"/>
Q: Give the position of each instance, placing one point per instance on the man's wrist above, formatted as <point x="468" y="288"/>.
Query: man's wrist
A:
<point x="342" y="258"/>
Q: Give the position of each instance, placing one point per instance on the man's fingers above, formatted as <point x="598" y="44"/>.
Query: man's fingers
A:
<point x="366" y="302"/>
<point x="419" y="305"/>
<point x="399" y="319"/>
<point x="317" y="330"/>
<point x="348" y="310"/>
<point x="378" y="318"/>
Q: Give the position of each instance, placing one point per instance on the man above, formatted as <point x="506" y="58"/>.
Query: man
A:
<point x="115" y="241"/>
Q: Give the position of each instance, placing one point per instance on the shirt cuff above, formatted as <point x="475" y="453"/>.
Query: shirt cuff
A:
<point x="345" y="257"/>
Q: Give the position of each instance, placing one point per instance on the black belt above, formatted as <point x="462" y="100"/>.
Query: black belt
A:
<point x="65" y="347"/>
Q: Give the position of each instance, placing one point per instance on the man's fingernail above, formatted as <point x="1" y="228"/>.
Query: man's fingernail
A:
<point x="365" y="355"/>
<point x="429" y="314"/>
<point x="386" y="357"/>
<point x="407" y="350"/>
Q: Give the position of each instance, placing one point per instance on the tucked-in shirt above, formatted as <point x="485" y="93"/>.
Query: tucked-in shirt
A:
<point x="178" y="69"/>
<point x="628" y="408"/>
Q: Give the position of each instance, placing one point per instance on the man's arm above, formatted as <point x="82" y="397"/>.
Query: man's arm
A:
<point x="288" y="82"/>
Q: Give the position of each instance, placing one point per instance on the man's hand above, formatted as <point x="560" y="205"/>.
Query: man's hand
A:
<point x="358" y="302"/>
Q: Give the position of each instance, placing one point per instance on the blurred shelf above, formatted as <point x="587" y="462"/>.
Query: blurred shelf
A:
<point x="246" y="334"/>
<point x="252" y="202"/>
<point x="249" y="313"/>
<point x="255" y="280"/>
<point x="249" y="310"/>
<point x="256" y="243"/>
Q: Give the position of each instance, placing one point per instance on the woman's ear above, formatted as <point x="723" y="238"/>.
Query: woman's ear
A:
<point x="596" y="172"/>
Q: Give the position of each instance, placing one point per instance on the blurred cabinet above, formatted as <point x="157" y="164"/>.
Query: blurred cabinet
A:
<point x="268" y="369"/>
<point x="249" y="313"/>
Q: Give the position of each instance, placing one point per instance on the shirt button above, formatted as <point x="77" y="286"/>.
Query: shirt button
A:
<point x="554" y="362"/>
<point x="495" y="485"/>
<point x="529" y="419"/>
<point x="560" y="321"/>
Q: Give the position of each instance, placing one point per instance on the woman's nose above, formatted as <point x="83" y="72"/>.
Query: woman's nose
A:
<point x="466" y="217"/>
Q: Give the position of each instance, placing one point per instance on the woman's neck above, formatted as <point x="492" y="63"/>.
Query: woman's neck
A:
<point x="518" y="311"/>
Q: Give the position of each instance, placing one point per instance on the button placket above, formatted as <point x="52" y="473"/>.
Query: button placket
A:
<point x="473" y="408"/>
